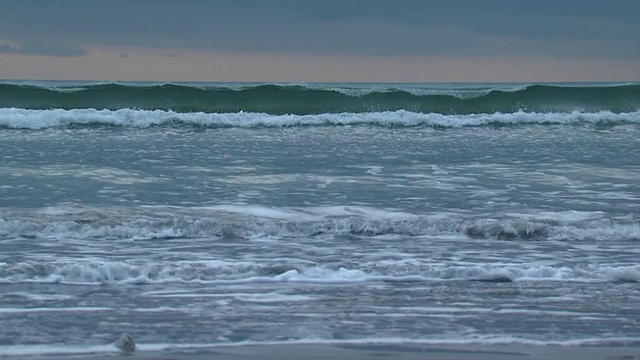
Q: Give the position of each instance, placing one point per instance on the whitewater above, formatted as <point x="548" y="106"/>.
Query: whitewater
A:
<point x="200" y="215"/>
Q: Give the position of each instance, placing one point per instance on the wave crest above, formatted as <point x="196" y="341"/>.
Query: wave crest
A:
<point x="251" y="222"/>
<point x="220" y="272"/>
<point x="13" y="118"/>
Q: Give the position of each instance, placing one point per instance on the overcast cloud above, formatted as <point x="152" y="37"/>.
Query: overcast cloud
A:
<point x="321" y="40"/>
<point x="584" y="28"/>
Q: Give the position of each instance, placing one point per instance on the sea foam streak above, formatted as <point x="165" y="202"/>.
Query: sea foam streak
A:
<point x="202" y="272"/>
<point x="256" y="222"/>
<point x="15" y="118"/>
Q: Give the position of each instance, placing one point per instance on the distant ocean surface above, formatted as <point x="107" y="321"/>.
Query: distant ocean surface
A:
<point x="199" y="215"/>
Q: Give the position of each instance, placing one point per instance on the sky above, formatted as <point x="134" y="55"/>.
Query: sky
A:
<point x="321" y="40"/>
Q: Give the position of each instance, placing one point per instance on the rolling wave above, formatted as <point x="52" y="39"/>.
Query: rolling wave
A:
<point x="277" y="99"/>
<point x="105" y="272"/>
<point x="15" y="118"/>
<point x="250" y="222"/>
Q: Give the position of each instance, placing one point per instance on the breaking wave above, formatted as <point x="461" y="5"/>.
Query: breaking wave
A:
<point x="14" y="118"/>
<point x="220" y="272"/>
<point x="254" y="221"/>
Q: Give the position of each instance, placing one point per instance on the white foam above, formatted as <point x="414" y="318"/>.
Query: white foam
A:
<point x="265" y="212"/>
<point x="272" y="297"/>
<point x="36" y="297"/>
<point x="39" y="350"/>
<point x="246" y="297"/>
<point x="465" y="91"/>
<point x="567" y="216"/>
<point x="429" y="310"/>
<point x="39" y="119"/>
<point x="602" y="233"/>
<point x="314" y="212"/>
<point x="52" y="309"/>
<point x="106" y="272"/>
<point x="161" y="309"/>
<point x="59" y="349"/>
<point x="268" y="223"/>
<point x="625" y="273"/>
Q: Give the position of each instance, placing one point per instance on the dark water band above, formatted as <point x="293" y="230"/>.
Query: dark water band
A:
<point x="303" y="100"/>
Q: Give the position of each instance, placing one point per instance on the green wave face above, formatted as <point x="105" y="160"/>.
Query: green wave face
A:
<point x="306" y="100"/>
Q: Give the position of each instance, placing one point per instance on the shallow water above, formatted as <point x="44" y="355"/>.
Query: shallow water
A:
<point x="194" y="236"/>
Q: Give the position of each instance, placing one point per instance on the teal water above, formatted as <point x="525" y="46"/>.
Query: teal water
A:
<point x="207" y="228"/>
<point x="306" y="99"/>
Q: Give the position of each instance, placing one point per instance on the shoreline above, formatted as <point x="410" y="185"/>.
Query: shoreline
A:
<point x="367" y="351"/>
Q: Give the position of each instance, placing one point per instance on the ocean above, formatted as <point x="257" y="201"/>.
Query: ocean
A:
<point x="192" y="216"/>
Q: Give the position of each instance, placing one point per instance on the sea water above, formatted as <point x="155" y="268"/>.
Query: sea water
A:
<point x="197" y="215"/>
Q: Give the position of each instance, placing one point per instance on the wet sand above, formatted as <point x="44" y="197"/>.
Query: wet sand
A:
<point x="377" y="351"/>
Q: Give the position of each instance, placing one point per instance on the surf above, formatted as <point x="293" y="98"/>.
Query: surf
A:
<point x="19" y="118"/>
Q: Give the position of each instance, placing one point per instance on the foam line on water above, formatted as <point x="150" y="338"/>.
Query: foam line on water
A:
<point x="252" y="223"/>
<point x="16" y="118"/>
<point x="125" y="273"/>
<point x="52" y="309"/>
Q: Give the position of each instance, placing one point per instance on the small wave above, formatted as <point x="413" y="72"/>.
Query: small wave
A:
<point x="97" y="272"/>
<point x="255" y="221"/>
<point x="14" y="118"/>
